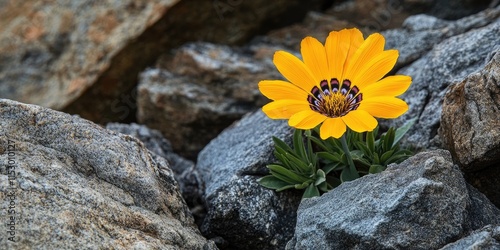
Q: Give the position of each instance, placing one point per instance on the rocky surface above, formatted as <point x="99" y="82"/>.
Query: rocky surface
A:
<point x="448" y="61"/>
<point x="76" y="185"/>
<point x="198" y="91"/>
<point x="67" y="55"/>
<point x="470" y="126"/>
<point x="241" y="214"/>
<point x="184" y="171"/>
<point x="487" y="237"/>
<point x="422" y="203"/>
<point x="51" y="52"/>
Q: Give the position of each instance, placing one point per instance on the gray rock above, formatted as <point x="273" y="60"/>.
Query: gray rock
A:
<point x="447" y="62"/>
<point x="486" y="238"/>
<point x="422" y="203"/>
<point x="241" y="213"/>
<point x="184" y="172"/>
<point x="79" y="186"/>
<point x="203" y="88"/>
<point x="156" y="143"/>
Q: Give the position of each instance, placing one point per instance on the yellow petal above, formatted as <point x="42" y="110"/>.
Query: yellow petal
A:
<point x="283" y="109"/>
<point x="375" y="69"/>
<point x="384" y="106"/>
<point x="355" y="41"/>
<point x="389" y="86"/>
<point x="294" y="70"/>
<point x="370" y="48"/>
<point x="306" y="119"/>
<point x="360" y="121"/>
<point x="314" y="56"/>
<point x="332" y="127"/>
<point x="278" y="90"/>
<point x="337" y="47"/>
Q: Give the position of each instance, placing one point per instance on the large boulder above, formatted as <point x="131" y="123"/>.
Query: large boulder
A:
<point x="470" y="126"/>
<point x="422" y="203"/>
<point x="74" y="185"/>
<point x="241" y="214"/>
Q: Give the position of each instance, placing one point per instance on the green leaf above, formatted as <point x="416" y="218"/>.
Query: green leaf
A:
<point x="386" y="156"/>
<point x="285" y="188"/>
<point x="271" y="182"/>
<point x="286" y="172"/>
<point x="303" y="185"/>
<point x="310" y="192"/>
<point x="348" y="174"/>
<point x="298" y="144"/>
<point x="320" y="177"/>
<point x="332" y="166"/>
<point x="376" y="169"/>
<point x="335" y="157"/>
<point x="389" y="139"/>
<point x="401" y="131"/>
<point x="370" y="141"/>
<point x="281" y="145"/>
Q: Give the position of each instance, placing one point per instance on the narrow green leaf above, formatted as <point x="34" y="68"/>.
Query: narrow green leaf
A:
<point x="278" y="143"/>
<point x="311" y="191"/>
<point x="370" y="141"/>
<point x="303" y="185"/>
<point x="285" y="188"/>
<point x="298" y="144"/>
<point x="401" y="131"/>
<point x="271" y="182"/>
<point x="335" y="157"/>
<point x="385" y="156"/>
<point x="286" y="172"/>
<point x="332" y="166"/>
<point x="389" y="139"/>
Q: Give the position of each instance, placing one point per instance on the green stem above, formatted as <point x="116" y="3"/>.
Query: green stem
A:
<point x="353" y="173"/>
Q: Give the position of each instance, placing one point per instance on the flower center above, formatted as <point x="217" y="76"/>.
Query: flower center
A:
<point x="334" y="100"/>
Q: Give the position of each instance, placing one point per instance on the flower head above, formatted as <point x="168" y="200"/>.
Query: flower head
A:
<point x="338" y="84"/>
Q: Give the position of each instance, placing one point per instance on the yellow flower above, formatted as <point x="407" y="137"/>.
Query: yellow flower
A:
<point x="339" y="84"/>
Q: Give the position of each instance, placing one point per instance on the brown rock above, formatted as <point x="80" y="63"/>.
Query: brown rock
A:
<point x="470" y="127"/>
<point x="52" y="51"/>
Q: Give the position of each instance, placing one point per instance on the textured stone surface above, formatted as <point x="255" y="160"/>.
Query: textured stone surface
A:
<point x="487" y="237"/>
<point x="184" y="172"/>
<point x="386" y="14"/>
<point x="228" y="22"/>
<point x="241" y="214"/>
<point x="422" y="203"/>
<point x="199" y="91"/>
<point x="470" y="124"/>
<point x="449" y="61"/>
<point x="79" y="186"/>
<point x="52" y="51"/>
<point x="470" y="127"/>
